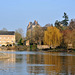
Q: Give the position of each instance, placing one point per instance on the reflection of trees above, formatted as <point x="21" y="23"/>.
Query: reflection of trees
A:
<point x="70" y="63"/>
<point x="35" y="61"/>
<point x="61" y="64"/>
<point x="53" y="63"/>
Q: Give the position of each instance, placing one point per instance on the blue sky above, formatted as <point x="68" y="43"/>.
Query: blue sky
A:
<point x="16" y="14"/>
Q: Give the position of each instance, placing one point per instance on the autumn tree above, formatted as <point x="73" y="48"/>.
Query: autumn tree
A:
<point x="72" y="24"/>
<point x="52" y="36"/>
<point x="69" y="37"/>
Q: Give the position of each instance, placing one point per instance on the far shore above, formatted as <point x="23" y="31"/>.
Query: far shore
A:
<point x="28" y="48"/>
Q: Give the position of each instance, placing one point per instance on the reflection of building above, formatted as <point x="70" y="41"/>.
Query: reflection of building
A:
<point x="70" y="46"/>
<point x="12" y="57"/>
<point x="7" y="37"/>
<point x="8" y="64"/>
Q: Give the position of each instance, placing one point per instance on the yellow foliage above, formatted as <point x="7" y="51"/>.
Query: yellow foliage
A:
<point x="52" y="36"/>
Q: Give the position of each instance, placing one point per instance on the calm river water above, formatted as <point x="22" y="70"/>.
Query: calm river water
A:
<point x="37" y="63"/>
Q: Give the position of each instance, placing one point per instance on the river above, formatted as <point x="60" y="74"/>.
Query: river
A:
<point x="37" y="63"/>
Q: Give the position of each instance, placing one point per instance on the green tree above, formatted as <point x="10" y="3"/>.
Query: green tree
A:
<point x="65" y="21"/>
<point x="20" y="42"/>
<point x="58" y="25"/>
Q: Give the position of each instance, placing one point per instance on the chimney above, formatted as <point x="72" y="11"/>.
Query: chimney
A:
<point x="30" y="23"/>
<point x="35" y="22"/>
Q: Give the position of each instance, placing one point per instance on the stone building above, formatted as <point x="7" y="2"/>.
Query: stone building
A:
<point x="30" y="30"/>
<point x="32" y="25"/>
<point x="7" y="37"/>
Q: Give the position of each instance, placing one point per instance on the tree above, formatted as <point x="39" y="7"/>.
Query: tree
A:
<point x="20" y="42"/>
<point x="28" y="35"/>
<point x="18" y="34"/>
<point x="35" y="35"/>
<point x="47" y="25"/>
<point x="20" y="30"/>
<point x="4" y="29"/>
<point x="69" y="37"/>
<point x="58" y="25"/>
<point x="62" y="25"/>
<point x="65" y="21"/>
<point x="52" y="36"/>
<point x="72" y="24"/>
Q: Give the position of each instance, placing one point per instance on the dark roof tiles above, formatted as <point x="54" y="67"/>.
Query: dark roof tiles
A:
<point x="7" y="33"/>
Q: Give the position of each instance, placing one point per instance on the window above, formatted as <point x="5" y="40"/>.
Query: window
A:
<point x="8" y="37"/>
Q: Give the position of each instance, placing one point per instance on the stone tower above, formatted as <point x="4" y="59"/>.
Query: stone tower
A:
<point x="32" y="25"/>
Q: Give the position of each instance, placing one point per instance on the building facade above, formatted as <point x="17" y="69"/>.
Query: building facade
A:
<point x="7" y="37"/>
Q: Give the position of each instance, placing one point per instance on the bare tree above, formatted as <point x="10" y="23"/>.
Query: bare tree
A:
<point x="4" y="29"/>
<point x="19" y="34"/>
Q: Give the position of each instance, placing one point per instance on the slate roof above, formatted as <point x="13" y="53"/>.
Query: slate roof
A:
<point x="7" y="33"/>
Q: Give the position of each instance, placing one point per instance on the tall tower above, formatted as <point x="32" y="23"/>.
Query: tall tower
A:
<point x="29" y="25"/>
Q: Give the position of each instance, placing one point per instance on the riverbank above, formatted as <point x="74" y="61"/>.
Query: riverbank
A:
<point x="34" y="48"/>
<point x="21" y="47"/>
<point x="57" y="50"/>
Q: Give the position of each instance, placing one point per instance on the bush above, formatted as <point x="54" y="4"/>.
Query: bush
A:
<point x="3" y="45"/>
<point x="33" y="47"/>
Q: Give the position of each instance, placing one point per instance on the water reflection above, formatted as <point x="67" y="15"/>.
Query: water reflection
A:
<point x="38" y="63"/>
<point x="53" y="63"/>
<point x="35" y="61"/>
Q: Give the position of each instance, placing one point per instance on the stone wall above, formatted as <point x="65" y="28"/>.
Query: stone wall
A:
<point x="42" y="46"/>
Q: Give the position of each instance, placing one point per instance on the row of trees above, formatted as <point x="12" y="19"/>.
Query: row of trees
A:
<point x="61" y="34"/>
